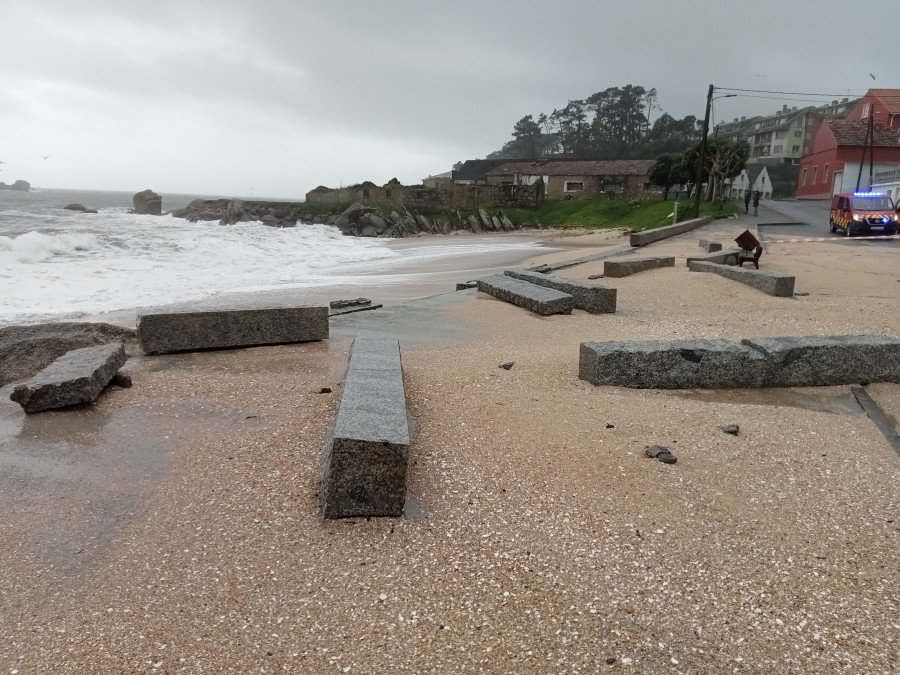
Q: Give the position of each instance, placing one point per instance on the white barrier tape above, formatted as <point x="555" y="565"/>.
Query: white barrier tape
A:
<point x="796" y="241"/>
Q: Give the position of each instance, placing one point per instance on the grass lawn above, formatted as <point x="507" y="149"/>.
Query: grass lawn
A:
<point x="603" y="213"/>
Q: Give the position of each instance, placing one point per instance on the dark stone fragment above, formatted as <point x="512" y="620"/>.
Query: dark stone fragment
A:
<point x="667" y="458"/>
<point x="732" y="429"/>
<point x="320" y="390"/>
<point x="507" y="365"/>
<point x="610" y="426"/>
<point x="611" y="660"/>
<point x="121" y="379"/>
<point x="655" y="450"/>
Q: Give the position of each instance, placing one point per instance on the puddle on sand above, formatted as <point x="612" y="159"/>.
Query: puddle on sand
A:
<point x="839" y="401"/>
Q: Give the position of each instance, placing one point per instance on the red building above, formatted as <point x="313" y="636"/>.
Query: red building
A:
<point x="833" y="164"/>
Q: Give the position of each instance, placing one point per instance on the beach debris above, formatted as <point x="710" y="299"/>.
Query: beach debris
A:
<point x="507" y="365"/>
<point x="466" y="285"/>
<point x="801" y="295"/>
<point x="340" y="304"/>
<point x="320" y="390"/>
<point x="732" y="429"/>
<point x="597" y="276"/>
<point x="610" y="426"/>
<point x="662" y="453"/>
<point x="121" y="379"/>
<point x="75" y="377"/>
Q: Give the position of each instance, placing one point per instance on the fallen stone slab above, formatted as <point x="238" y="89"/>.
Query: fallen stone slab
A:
<point x="628" y="266"/>
<point x="365" y="455"/>
<point x="710" y="246"/>
<point x="759" y="362"/>
<point x="660" y="233"/>
<point x="75" y="377"/>
<point x="725" y="257"/>
<point x="593" y="298"/>
<point x="572" y="262"/>
<point x="771" y="283"/>
<point x="189" y="328"/>
<point x="671" y="364"/>
<point x="539" y="299"/>
<point x="825" y="361"/>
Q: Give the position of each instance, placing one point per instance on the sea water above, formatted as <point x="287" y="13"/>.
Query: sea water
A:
<point x="58" y="264"/>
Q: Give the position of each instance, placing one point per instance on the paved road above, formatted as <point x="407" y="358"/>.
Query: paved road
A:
<point x="810" y="219"/>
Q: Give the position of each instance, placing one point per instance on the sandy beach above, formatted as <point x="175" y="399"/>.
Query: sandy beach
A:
<point x="172" y="527"/>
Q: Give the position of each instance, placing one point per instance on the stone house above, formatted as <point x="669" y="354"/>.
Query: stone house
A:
<point x="581" y="179"/>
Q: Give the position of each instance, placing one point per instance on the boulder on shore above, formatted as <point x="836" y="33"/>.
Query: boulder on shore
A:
<point x="75" y="207"/>
<point x="147" y="202"/>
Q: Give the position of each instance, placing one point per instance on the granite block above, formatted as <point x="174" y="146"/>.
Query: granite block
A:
<point x="539" y="299"/>
<point x="592" y="298"/>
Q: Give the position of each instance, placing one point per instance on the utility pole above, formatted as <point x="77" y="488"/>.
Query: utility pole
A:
<point x="701" y="156"/>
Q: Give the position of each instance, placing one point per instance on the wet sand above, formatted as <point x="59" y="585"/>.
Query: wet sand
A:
<point x="172" y="527"/>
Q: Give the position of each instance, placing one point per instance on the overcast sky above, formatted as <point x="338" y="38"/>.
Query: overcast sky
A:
<point x="266" y="98"/>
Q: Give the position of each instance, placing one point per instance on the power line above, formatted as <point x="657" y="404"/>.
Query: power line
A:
<point x="779" y="98"/>
<point x="787" y="93"/>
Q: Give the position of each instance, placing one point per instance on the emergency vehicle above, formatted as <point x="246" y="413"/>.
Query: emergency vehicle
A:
<point x="870" y="212"/>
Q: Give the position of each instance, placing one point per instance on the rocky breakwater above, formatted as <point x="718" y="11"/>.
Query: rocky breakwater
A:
<point x="357" y="220"/>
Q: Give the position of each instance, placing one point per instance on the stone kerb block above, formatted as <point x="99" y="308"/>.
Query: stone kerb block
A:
<point x="671" y="364"/>
<point x="538" y="299"/>
<point x="825" y="361"/>
<point x="365" y="456"/>
<point x="759" y="362"/>
<point x="772" y="283"/>
<point x="659" y="233"/>
<point x="628" y="266"/>
<point x="165" y="330"/>
<point x="75" y="377"/>
<point x="592" y="298"/>
<point x="725" y="257"/>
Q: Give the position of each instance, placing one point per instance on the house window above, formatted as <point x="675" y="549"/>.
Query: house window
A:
<point x="804" y="177"/>
<point x="795" y="149"/>
<point x="825" y="174"/>
<point x="779" y="135"/>
<point x="815" y="174"/>
<point x="865" y="111"/>
<point x="798" y="134"/>
<point x="574" y="186"/>
<point x="778" y="149"/>
<point x="612" y="186"/>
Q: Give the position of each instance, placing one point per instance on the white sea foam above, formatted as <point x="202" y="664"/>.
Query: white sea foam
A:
<point x="66" y="264"/>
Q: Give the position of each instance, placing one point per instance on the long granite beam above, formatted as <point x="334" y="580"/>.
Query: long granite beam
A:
<point x="659" y="233"/>
<point x="538" y="299"/>
<point x="592" y="298"/>
<point x="726" y="257"/>
<point x="761" y="362"/>
<point x="365" y="456"/>
<point x="628" y="266"/>
<point x="189" y="328"/>
<point x="772" y="283"/>
<point x="75" y="377"/>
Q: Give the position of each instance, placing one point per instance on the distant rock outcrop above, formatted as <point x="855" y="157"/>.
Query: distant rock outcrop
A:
<point x="19" y="186"/>
<point x="147" y="202"/>
<point x="75" y="207"/>
<point x="357" y="220"/>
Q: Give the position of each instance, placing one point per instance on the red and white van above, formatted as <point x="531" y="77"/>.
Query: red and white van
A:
<point x="869" y="212"/>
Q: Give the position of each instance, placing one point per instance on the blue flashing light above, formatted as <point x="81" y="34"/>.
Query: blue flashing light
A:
<point x="868" y="194"/>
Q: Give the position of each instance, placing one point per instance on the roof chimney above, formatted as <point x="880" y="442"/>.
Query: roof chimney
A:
<point x="743" y="118"/>
<point x="784" y="108"/>
<point x="735" y="119"/>
<point x="834" y="102"/>
<point x="844" y="100"/>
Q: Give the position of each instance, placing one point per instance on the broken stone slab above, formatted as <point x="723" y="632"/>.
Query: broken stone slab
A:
<point x="189" y="328"/>
<point x="365" y="455"/>
<point x="671" y="364"/>
<point x="75" y="377"/>
<point x="593" y="298"/>
<point x="771" y="283"/>
<point x="824" y="361"/>
<point x="725" y="257"/>
<point x="539" y="299"/>
<point x="662" y="453"/>
<point x="628" y="266"/>
<point x="659" y="233"/>
<point x="465" y="285"/>
<point x="758" y="362"/>
<point x="710" y="246"/>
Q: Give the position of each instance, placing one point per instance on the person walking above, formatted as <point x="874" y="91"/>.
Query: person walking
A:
<point x="746" y="201"/>
<point x="756" y="203"/>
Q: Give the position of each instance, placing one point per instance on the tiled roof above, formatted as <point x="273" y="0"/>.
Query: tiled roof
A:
<point x="616" y="167"/>
<point x="476" y="169"/>
<point x="890" y="98"/>
<point x="853" y="133"/>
